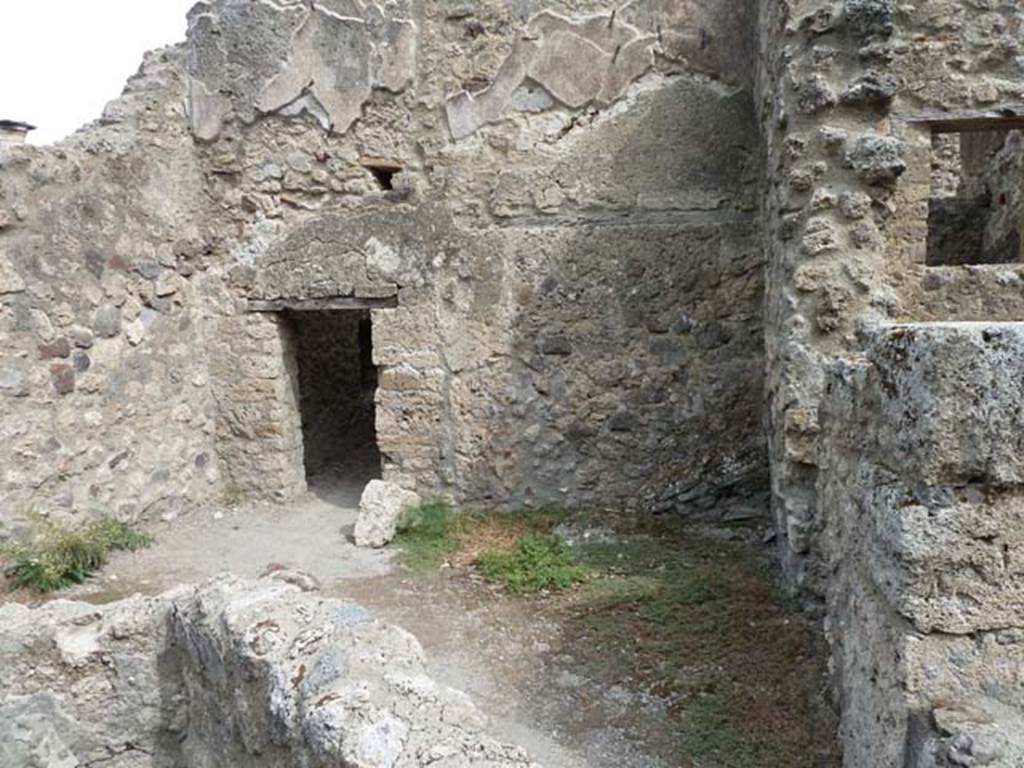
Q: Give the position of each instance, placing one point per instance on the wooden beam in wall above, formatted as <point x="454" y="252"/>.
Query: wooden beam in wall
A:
<point x="321" y="305"/>
<point x="1005" y="119"/>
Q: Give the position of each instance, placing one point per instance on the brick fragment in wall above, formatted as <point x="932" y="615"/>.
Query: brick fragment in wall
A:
<point x="63" y="377"/>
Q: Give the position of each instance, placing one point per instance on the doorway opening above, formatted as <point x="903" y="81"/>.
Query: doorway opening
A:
<point x="337" y="389"/>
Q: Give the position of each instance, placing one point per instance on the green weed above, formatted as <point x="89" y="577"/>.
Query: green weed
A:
<point x="57" y="555"/>
<point x="514" y="549"/>
<point x="232" y="495"/>
<point x="536" y="562"/>
<point x="427" y="535"/>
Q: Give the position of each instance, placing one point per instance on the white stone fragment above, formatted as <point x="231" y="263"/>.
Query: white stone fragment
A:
<point x="380" y="509"/>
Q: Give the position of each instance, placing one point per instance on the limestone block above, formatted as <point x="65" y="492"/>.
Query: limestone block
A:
<point x="321" y="676"/>
<point x="57" y="705"/>
<point x="951" y="562"/>
<point x="407" y="379"/>
<point x="952" y="401"/>
<point x="380" y="510"/>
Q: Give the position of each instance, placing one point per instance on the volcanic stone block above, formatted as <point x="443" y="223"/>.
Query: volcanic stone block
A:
<point x="952" y="395"/>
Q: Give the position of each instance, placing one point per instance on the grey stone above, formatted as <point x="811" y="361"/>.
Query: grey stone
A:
<point x="13" y="381"/>
<point x="877" y="159"/>
<point x="107" y="321"/>
<point x="556" y="345"/>
<point x="80" y="336"/>
<point x="10" y="280"/>
<point x="871" y="89"/>
<point x="815" y="94"/>
<point x="870" y="17"/>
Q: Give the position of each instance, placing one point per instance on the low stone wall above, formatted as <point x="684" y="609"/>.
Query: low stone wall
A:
<point x="923" y="506"/>
<point x="231" y="674"/>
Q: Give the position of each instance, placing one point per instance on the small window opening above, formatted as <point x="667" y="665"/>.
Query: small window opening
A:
<point x="384" y="171"/>
<point x="976" y="203"/>
<point x="337" y="389"/>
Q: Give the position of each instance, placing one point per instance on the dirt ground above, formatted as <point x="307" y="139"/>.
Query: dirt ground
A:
<point x="563" y="678"/>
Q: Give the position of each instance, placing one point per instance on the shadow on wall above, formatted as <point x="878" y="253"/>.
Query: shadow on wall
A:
<point x="636" y="336"/>
<point x="640" y="368"/>
<point x="604" y="350"/>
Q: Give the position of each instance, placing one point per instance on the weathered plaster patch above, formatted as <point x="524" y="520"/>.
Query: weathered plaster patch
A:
<point x="332" y="62"/>
<point x="583" y="61"/>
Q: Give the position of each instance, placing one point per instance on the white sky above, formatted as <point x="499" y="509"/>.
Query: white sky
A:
<point x="61" y="61"/>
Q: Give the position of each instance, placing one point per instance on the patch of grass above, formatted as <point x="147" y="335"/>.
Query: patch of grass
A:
<point x="232" y="495"/>
<point x="683" y="612"/>
<point x="534" y="563"/>
<point x="679" y="611"/>
<point x="698" y="620"/>
<point x="514" y="549"/>
<point x="59" y="555"/>
<point x="427" y="535"/>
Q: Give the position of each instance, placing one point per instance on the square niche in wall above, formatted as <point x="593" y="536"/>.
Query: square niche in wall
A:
<point x="976" y="202"/>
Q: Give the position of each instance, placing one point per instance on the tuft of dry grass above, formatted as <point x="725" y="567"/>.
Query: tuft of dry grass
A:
<point x="516" y="550"/>
<point x="488" y="534"/>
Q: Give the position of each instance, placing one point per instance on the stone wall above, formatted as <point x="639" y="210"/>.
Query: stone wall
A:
<point x="104" y="317"/>
<point x="560" y="250"/>
<point x="255" y="376"/>
<point x="846" y="92"/>
<point x="921" y="496"/>
<point x="574" y="257"/>
<point x="896" y="505"/>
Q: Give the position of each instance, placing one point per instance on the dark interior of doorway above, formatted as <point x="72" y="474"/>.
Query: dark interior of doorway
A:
<point x="976" y="206"/>
<point x="337" y="386"/>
